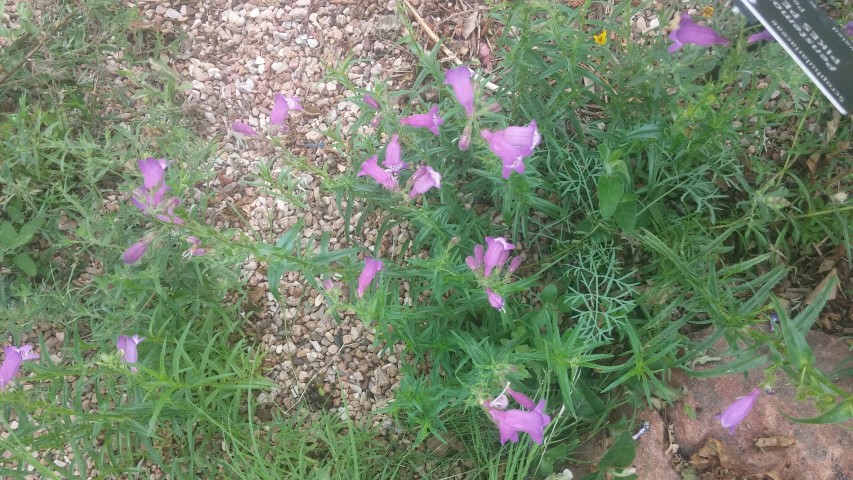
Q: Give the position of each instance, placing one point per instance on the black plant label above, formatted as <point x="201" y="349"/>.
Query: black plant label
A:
<point x="814" y="41"/>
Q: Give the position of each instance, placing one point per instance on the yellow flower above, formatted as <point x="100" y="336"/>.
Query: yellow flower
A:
<point x="601" y="38"/>
<point x="708" y="11"/>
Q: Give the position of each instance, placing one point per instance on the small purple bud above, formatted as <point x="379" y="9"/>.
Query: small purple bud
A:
<point x="243" y="128"/>
<point x="465" y="139"/>
<point x="136" y="251"/>
<point x="514" y="264"/>
<point x="472" y="264"/>
<point x="370" y="101"/>
<point x="763" y="35"/>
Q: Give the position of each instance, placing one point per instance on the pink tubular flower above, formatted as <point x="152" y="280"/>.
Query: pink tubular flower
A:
<point x="280" y="109"/>
<point x="394" y="155"/>
<point x="195" y="249"/>
<point x="497" y="253"/>
<point x="509" y="422"/>
<point x="429" y="120"/>
<point x="243" y="128"/>
<point x="512" y="145"/>
<point x="459" y="79"/>
<point x="374" y="171"/>
<point x="153" y="189"/>
<point x="370" y="101"/>
<point x="738" y="411"/>
<point x="127" y="348"/>
<point x="15" y="356"/>
<point x="371" y="267"/>
<point x="424" y="179"/>
<point x="688" y="32"/>
<point x="763" y="35"/>
<point x="136" y="251"/>
<point x="495" y="300"/>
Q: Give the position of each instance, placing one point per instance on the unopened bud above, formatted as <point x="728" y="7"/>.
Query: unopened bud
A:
<point x="465" y="140"/>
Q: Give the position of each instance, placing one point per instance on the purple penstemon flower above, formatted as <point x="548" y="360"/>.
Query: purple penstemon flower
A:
<point x="738" y="410"/>
<point x="195" y="249"/>
<point x="429" y="120"/>
<point x="371" y="267"/>
<point x="127" y="348"/>
<point x="15" y="356"/>
<point x="371" y="168"/>
<point x="510" y="422"/>
<point x="279" y="111"/>
<point x="495" y="300"/>
<point x="394" y="156"/>
<point x="848" y="29"/>
<point x="244" y="128"/>
<point x="424" y="179"/>
<point x="688" y="32"/>
<point x="512" y="145"/>
<point x="459" y="79"/>
<point x="150" y="195"/>
<point x="497" y="253"/>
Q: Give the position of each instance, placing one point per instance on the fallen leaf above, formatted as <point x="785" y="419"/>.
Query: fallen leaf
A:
<point x="830" y="277"/>
<point x="812" y="162"/>
<point x="775" y="441"/>
<point x="470" y="23"/>
<point x="830" y="260"/>
<point x="713" y="452"/>
<point x="832" y="127"/>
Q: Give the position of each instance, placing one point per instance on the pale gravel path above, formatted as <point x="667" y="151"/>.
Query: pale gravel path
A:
<point x="238" y="56"/>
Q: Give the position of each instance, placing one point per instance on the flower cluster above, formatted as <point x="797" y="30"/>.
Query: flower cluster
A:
<point x="280" y="110"/>
<point x="151" y="200"/>
<point x="512" y="144"/>
<point x="15" y="356"/>
<point x="531" y="421"/>
<point x="491" y="259"/>
<point x="424" y="178"/>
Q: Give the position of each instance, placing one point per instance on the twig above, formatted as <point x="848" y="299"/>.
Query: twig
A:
<point x="491" y="86"/>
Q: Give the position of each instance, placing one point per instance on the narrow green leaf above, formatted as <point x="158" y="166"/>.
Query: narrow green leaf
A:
<point x="841" y="412"/>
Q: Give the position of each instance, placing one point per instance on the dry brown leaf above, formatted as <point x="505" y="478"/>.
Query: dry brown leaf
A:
<point x="470" y="23"/>
<point x="832" y="127"/>
<point x="832" y="275"/>
<point x="775" y="441"/>
<point x="713" y="452"/>
<point x="812" y="162"/>
<point x="830" y="260"/>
